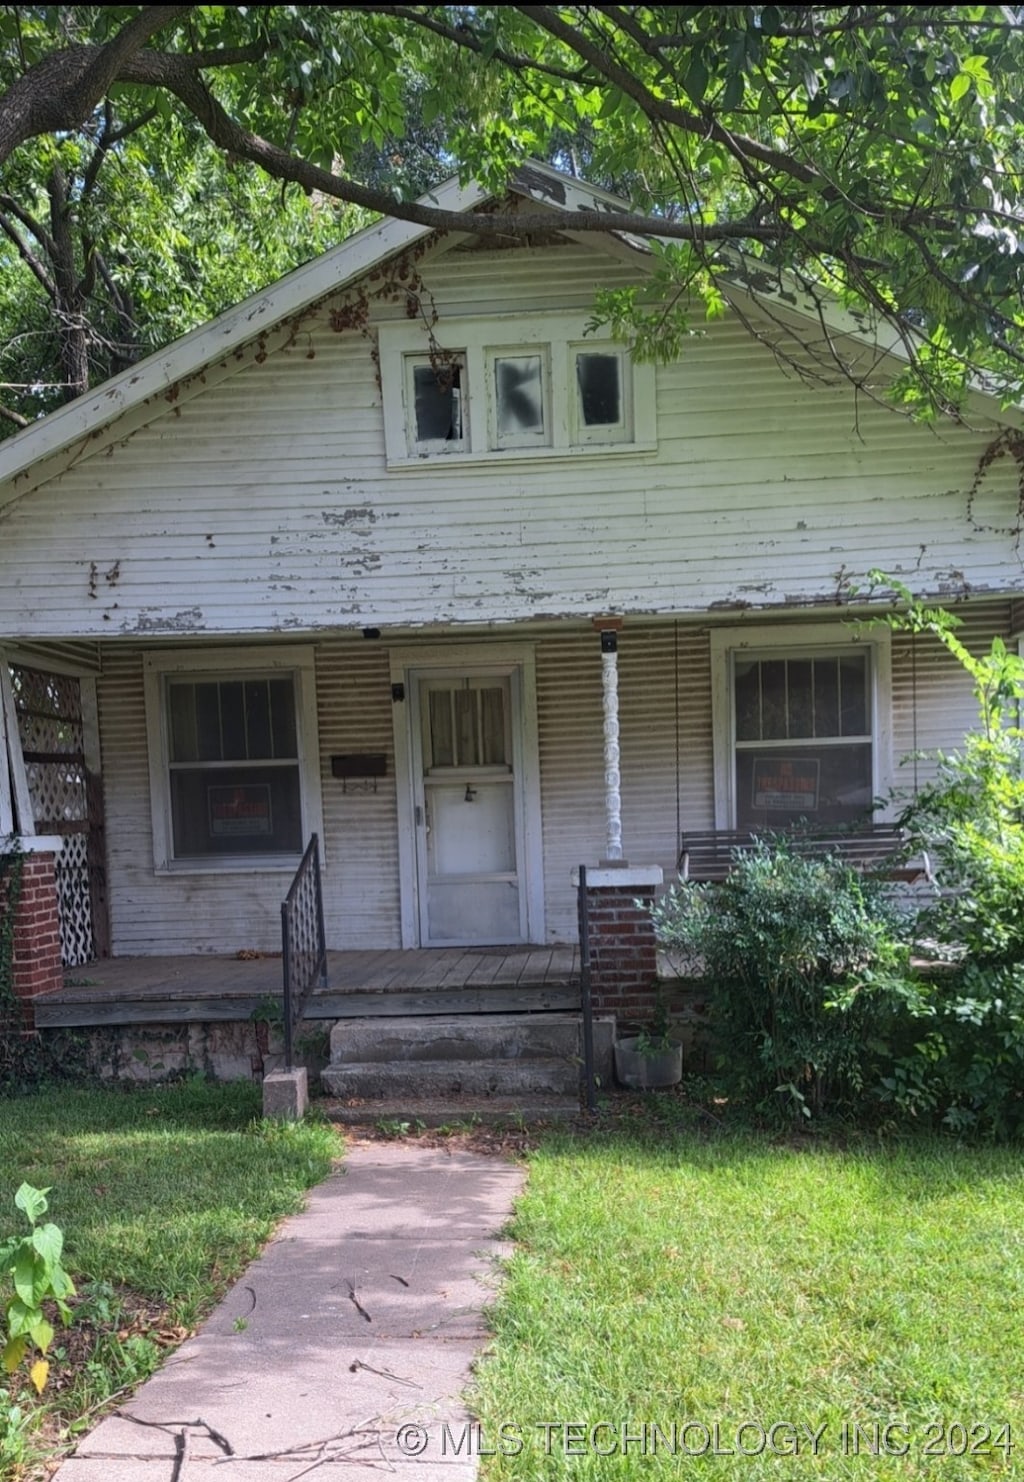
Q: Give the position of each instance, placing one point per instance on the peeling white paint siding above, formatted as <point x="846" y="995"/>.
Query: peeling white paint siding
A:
<point x="264" y="504"/>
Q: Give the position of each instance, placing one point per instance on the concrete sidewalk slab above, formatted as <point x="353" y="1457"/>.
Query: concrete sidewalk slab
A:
<point x="361" y="1317"/>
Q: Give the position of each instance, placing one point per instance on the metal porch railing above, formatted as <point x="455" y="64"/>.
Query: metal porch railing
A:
<point x="585" y="1000"/>
<point x="303" y="943"/>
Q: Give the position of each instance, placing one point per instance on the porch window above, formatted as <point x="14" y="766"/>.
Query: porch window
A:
<point x="803" y="739"/>
<point x="802" y="729"/>
<point x="234" y="767"/>
<point x="232" y="759"/>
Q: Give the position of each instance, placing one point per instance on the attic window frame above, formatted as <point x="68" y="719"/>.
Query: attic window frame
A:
<point x="453" y="361"/>
<point x="478" y="344"/>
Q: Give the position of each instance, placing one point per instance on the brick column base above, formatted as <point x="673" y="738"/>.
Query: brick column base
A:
<point x="623" y="951"/>
<point x="37" y="966"/>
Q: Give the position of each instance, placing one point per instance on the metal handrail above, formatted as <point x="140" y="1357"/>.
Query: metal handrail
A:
<point x="303" y="943"/>
<point x="585" y="1002"/>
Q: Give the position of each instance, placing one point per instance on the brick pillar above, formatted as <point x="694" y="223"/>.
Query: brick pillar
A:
<point x="37" y="966"/>
<point x="623" y="951"/>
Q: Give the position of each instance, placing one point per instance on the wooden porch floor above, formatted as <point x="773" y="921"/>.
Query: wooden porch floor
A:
<point x="461" y="980"/>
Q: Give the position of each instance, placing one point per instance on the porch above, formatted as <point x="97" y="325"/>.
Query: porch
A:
<point x="395" y="983"/>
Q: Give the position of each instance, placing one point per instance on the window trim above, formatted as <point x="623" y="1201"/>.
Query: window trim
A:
<point x="225" y="664"/>
<point x="602" y="434"/>
<point x="796" y="640"/>
<point x="558" y="338"/>
<point x="525" y="440"/>
<point x="420" y="448"/>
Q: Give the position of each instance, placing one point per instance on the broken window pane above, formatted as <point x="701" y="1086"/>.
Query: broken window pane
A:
<point x="519" y="395"/>
<point x="438" y="398"/>
<point x="600" y="390"/>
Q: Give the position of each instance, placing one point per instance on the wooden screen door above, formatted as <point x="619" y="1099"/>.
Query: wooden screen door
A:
<point x="469" y="833"/>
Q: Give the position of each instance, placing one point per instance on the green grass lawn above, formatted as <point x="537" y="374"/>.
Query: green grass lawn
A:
<point x="690" y="1282"/>
<point x="164" y="1196"/>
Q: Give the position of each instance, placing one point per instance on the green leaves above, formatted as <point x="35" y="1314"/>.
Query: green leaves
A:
<point x="32" y="1265"/>
<point x="32" y="1202"/>
<point x="876" y="153"/>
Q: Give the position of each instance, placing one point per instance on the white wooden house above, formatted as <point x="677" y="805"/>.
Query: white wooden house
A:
<point x="340" y="561"/>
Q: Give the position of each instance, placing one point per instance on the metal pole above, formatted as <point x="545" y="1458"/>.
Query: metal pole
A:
<point x="286" y="962"/>
<point x="322" y="941"/>
<point x="588" y="1016"/>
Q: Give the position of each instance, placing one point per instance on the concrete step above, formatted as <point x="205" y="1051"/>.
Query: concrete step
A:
<point x="450" y="1111"/>
<point x="489" y="1037"/>
<point x="449" y="1077"/>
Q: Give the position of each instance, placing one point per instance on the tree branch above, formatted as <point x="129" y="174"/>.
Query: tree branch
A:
<point x="10" y="415"/>
<point x="24" y="251"/>
<point x="162" y="69"/>
<point x="59" y="92"/>
<point x="463" y="35"/>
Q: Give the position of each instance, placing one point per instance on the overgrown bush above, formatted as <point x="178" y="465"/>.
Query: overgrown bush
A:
<point x="779" y="939"/>
<point x="958" y="1055"/>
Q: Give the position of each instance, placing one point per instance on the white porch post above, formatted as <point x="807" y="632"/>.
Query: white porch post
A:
<point x="612" y="777"/>
<point x="16" y="815"/>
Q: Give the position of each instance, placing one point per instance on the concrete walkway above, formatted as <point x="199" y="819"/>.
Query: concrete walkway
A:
<point x="343" y="1349"/>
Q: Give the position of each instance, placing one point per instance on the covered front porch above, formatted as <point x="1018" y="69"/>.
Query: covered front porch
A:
<point x="208" y="988"/>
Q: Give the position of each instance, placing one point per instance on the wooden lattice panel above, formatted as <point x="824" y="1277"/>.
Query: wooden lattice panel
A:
<point x="74" y="901"/>
<point x="49" y="710"/>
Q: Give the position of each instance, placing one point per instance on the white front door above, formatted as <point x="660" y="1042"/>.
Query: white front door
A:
<point x="469" y="817"/>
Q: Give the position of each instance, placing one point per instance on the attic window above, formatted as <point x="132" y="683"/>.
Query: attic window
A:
<point x="519" y="387"/>
<point x="600" y="393"/>
<point x="604" y="404"/>
<point x="434" y="388"/>
<point x="507" y="387"/>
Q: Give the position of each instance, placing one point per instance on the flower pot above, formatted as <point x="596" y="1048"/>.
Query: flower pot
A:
<point x="646" y="1070"/>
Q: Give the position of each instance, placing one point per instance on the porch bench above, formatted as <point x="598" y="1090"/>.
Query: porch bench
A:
<point x="709" y="856"/>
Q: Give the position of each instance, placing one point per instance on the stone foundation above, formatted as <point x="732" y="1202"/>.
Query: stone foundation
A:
<point x="223" y="1050"/>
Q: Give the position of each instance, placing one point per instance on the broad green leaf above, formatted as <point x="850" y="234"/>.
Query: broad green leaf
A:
<point x="42" y="1335"/>
<point x="14" y="1351"/>
<point x="31" y="1201"/>
<point x="26" y="1274"/>
<point x="695" y="79"/>
<point x="49" y="1242"/>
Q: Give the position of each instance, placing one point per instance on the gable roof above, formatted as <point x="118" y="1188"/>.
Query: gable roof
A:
<point x="88" y="416"/>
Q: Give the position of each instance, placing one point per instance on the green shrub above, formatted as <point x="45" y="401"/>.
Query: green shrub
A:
<point x="956" y="1052"/>
<point x="779" y="939"/>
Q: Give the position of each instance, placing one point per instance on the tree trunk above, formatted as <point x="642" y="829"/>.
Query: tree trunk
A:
<point x="69" y="298"/>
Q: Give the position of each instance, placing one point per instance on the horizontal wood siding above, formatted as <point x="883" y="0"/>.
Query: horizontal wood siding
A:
<point x="361" y="897"/>
<point x="933" y="705"/>
<point x="262" y="502"/>
<point x="667" y="778"/>
<point x="665" y="715"/>
<point x="153" y="914"/>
